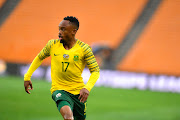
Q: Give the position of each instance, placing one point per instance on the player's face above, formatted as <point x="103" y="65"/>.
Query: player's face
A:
<point x="66" y="31"/>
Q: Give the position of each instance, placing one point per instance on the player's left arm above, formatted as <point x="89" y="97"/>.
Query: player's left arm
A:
<point x="94" y="69"/>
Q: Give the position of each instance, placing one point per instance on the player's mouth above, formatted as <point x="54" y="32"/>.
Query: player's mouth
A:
<point x="60" y="37"/>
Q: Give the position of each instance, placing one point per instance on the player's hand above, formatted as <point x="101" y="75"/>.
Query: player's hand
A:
<point x="28" y="86"/>
<point x="84" y="93"/>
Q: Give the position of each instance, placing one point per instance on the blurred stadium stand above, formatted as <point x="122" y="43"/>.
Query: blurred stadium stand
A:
<point x="33" y="23"/>
<point x="134" y="32"/>
<point x="156" y="50"/>
<point x="140" y="37"/>
<point x="1" y="3"/>
<point x="7" y="6"/>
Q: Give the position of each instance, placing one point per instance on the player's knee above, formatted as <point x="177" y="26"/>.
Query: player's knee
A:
<point x="66" y="113"/>
<point x="68" y="117"/>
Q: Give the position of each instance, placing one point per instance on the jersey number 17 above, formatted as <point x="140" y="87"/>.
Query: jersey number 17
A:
<point x="65" y="66"/>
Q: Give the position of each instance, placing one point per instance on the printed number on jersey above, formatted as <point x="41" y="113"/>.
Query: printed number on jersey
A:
<point x="65" y="66"/>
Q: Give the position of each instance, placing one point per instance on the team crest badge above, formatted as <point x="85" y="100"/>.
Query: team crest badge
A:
<point x="66" y="56"/>
<point x="76" y="58"/>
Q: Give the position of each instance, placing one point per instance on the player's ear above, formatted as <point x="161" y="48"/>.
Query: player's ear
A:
<point x="74" y="31"/>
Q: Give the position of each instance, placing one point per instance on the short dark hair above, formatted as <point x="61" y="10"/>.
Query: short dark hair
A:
<point x="73" y="20"/>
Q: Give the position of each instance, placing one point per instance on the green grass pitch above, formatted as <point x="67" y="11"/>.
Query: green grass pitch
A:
<point x="103" y="103"/>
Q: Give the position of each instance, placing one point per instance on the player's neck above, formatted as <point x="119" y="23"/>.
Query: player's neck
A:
<point x="68" y="45"/>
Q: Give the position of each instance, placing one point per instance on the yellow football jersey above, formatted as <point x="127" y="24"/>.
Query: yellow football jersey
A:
<point x="67" y="65"/>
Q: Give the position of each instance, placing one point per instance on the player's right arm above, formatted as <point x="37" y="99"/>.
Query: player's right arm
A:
<point x="45" y="52"/>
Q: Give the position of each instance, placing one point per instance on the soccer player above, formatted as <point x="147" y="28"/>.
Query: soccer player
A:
<point x="68" y="59"/>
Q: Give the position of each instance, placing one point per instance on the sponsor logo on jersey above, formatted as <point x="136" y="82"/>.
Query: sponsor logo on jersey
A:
<point x="58" y="95"/>
<point x="66" y="56"/>
<point x="76" y="58"/>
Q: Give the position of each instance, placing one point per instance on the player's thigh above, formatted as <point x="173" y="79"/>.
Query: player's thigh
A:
<point x="61" y="104"/>
<point x="66" y="112"/>
<point x="61" y="99"/>
<point x="79" y="110"/>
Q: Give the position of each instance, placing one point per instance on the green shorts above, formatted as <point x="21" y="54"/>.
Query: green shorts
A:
<point x="63" y="98"/>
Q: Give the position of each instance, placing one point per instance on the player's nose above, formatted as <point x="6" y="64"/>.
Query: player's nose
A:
<point x="59" y="33"/>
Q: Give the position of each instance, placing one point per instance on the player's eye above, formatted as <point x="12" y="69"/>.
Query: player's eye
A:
<point x="63" y="29"/>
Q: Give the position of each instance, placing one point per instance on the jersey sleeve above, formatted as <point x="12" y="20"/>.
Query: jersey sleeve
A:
<point x="93" y="67"/>
<point x="45" y="52"/>
<point x="90" y="59"/>
<point x="34" y="65"/>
